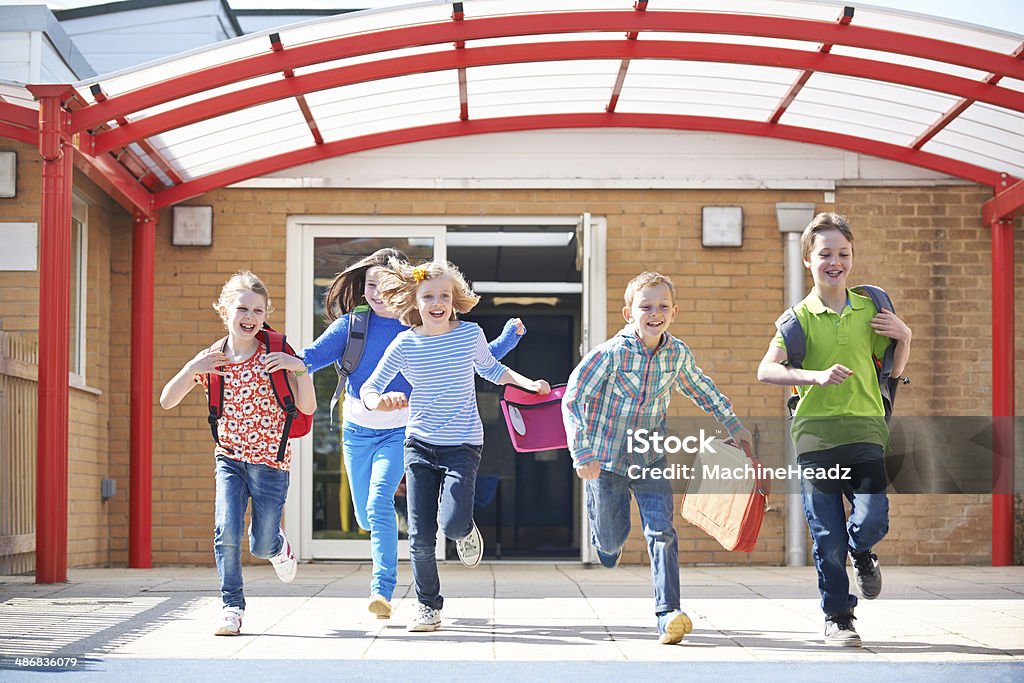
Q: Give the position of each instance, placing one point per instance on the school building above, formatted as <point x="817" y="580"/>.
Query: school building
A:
<point x="552" y="151"/>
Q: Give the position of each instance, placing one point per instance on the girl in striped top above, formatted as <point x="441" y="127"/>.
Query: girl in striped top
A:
<point x="444" y="435"/>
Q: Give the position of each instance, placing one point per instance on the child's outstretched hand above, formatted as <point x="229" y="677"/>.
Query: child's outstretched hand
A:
<point x="742" y="437"/>
<point x="517" y="324"/>
<point x="836" y="374"/>
<point x="207" y="362"/>
<point x="592" y="470"/>
<point x="540" y="387"/>
<point x="279" y="360"/>
<point x="888" y="324"/>
<point x="393" y="400"/>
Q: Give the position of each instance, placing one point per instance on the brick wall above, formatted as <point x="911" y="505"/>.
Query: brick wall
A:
<point x="926" y="246"/>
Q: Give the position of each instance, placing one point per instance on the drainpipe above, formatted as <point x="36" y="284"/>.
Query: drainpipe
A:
<point x="793" y="217"/>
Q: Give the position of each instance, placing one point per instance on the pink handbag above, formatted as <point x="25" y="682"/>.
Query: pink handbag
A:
<point x="534" y="422"/>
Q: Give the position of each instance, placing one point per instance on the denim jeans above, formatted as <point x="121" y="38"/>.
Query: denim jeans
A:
<point x="833" y="534"/>
<point x="437" y="478"/>
<point x="237" y="482"/>
<point x="608" y="511"/>
<point x="373" y="461"/>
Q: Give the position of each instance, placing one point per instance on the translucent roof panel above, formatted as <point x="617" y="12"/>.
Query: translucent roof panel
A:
<point x="15" y="93"/>
<point x="867" y="109"/>
<point x="211" y="94"/>
<point x="815" y="10"/>
<point x="404" y="102"/>
<point x="396" y="68"/>
<point x="904" y="60"/>
<point x="703" y="89"/>
<point x="940" y="29"/>
<point x="540" y="88"/>
<point x="235" y="139"/>
<point x="984" y="135"/>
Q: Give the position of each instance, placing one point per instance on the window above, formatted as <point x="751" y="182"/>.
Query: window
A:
<point x="76" y="326"/>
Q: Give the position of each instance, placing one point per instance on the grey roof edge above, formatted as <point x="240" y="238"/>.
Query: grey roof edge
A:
<point x="128" y="5"/>
<point x="32" y="18"/>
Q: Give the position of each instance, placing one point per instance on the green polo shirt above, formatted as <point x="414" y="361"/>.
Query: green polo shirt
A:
<point x="823" y="415"/>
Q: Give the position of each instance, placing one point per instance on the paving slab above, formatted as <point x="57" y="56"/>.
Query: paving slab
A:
<point x="528" y="621"/>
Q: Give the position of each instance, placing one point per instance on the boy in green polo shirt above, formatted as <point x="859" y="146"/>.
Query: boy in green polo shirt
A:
<point x="840" y="420"/>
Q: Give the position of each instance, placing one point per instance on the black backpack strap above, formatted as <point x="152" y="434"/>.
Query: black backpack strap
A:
<point x="355" y="344"/>
<point x="793" y="335"/>
<point x="796" y="349"/>
<point x="215" y="397"/>
<point x="886" y="382"/>
<point x="275" y="341"/>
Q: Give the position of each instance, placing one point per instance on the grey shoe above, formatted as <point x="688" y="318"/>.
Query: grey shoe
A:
<point x="839" y="630"/>
<point x="869" y="574"/>
<point x="426" y="619"/>
<point x="471" y="548"/>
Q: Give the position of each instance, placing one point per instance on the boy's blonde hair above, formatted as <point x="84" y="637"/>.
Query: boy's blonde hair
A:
<point x="824" y="222"/>
<point x="242" y="281"/>
<point x="400" y="281"/>
<point x="648" y="279"/>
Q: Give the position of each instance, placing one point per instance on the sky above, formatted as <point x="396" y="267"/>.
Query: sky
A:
<point x="1006" y="15"/>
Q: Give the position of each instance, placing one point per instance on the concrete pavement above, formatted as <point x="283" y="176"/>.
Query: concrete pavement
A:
<point x="531" y="621"/>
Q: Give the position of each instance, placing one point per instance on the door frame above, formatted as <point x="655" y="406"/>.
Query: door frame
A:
<point x="302" y="230"/>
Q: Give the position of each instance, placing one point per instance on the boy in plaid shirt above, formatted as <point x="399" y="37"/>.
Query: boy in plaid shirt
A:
<point x="626" y="383"/>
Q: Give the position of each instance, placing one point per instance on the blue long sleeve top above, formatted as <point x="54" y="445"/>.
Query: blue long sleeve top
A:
<point x="330" y="347"/>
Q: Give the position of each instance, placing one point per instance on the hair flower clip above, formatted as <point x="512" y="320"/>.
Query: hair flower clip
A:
<point x="419" y="273"/>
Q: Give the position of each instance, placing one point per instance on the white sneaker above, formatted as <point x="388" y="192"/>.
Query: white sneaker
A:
<point x="380" y="606"/>
<point x="284" y="562"/>
<point x="471" y="548"/>
<point x="426" y="619"/>
<point x="230" y="623"/>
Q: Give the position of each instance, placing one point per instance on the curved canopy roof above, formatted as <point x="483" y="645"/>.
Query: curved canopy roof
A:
<point x="919" y="90"/>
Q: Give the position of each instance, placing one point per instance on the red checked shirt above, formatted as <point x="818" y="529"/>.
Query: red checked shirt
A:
<point x="622" y="385"/>
<point x="250" y="427"/>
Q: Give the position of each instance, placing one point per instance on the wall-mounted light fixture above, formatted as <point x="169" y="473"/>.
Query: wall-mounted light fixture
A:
<point x="722" y="226"/>
<point x="192" y="226"/>
<point x="8" y="174"/>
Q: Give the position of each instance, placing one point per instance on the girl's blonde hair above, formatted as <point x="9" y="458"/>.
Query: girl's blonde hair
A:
<point x="346" y="292"/>
<point x="399" y="283"/>
<point x="242" y="281"/>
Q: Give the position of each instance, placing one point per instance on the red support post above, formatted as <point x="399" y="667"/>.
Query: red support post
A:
<point x="140" y="496"/>
<point x="1002" y="392"/>
<point x="54" y="319"/>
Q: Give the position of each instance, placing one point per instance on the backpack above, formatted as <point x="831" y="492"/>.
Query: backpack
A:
<point x="534" y="422"/>
<point x="296" y="422"/>
<point x="796" y="347"/>
<point x="358" y="323"/>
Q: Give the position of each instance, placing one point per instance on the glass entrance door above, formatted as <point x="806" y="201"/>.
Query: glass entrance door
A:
<point x="328" y="523"/>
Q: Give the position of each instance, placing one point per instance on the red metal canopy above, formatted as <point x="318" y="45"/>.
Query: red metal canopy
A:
<point x="918" y="90"/>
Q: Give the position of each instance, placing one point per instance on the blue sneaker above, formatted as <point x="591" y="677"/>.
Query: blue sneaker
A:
<point x="672" y="626"/>
<point x="610" y="561"/>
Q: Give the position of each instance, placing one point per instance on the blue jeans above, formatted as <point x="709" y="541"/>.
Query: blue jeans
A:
<point x="608" y="511"/>
<point x="373" y="461"/>
<point x="833" y="534"/>
<point x="237" y="482"/>
<point x="437" y="477"/>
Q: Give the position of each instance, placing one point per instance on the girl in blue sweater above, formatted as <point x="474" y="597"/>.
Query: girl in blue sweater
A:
<point x="373" y="441"/>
